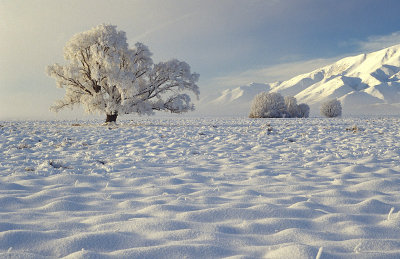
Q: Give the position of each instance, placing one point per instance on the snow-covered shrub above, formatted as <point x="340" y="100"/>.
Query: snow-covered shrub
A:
<point x="331" y="108"/>
<point x="268" y="105"/>
<point x="292" y="109"/>
<point x="274" y="105"/>
<point x="303" y="110"/>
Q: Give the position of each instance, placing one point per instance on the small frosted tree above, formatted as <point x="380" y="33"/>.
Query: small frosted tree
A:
<point x="292" y="109"/>
<point x="105" y="75"/>
<point x="304" y="110"/>
<point x="267" y="105"/>
<point x="331" y="108"/>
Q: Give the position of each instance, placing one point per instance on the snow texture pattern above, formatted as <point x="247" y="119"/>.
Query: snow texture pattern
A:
<point x="201" y="188"/>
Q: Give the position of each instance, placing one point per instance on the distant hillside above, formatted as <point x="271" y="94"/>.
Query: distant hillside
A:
<point x="365" y="84"/>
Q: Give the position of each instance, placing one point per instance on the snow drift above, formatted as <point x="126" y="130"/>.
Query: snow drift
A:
<point x="201" y="188"/>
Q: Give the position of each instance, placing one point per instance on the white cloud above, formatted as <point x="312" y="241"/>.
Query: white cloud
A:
<point x="161" y="26"/>
<point x="378" y="42"/>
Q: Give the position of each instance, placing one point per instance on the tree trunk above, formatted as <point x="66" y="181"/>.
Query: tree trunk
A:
<point x="111" y="118"/>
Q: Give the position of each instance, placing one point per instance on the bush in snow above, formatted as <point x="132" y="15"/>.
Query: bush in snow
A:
<point x="105" y="75"/>
<point x="273" y="105"/>
<point x="267" y="105"/>
<point x="292" y="109"/>
<point x="331" y="108"/>
<point x="296" y="111"/>
<point x="303" y="110"/>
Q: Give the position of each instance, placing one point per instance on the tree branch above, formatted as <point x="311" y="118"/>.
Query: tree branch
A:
<point x="74" y="83"/>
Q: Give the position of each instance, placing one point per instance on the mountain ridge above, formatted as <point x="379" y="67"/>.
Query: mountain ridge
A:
<point x="367" y="83"/>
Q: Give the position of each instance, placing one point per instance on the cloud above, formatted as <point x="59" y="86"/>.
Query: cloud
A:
<point x="378" y="42"/>
<point x="162" y="26"/>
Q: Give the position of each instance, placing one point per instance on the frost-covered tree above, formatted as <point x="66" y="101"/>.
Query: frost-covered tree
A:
<point x="105" y="75"/>
<point x="292" y="109"/>
<point x="267" y="105"/>
<point x="303" y="110"/>
<point x="331" y="108"/>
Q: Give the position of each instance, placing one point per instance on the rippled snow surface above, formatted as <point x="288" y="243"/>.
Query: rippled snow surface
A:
<point x="201" y="188"/>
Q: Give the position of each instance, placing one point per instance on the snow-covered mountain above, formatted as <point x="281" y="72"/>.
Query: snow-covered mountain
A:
<point x="365" y="84"/>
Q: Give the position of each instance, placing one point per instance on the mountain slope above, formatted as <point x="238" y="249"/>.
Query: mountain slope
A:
<point x="365" y="84"/>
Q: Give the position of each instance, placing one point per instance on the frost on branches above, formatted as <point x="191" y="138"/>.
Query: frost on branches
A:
<point x="331" y="108"/>
<point x="105" y="75"/>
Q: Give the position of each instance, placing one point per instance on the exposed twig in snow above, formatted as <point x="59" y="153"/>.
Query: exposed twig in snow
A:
<point x="390" y="213"/>
<point x="321" y="210"/>
<point x="357" y="249"/>
<point x="319" y="253"/>
<point x="290" y="140"/>
<point x="101" y="162"/>
<point x="57" y="165"/>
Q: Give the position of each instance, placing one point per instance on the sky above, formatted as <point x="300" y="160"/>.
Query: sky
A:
<point x="228" y="42"/>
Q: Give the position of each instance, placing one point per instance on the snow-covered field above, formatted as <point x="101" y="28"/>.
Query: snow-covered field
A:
<point x="201" y="188"/>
